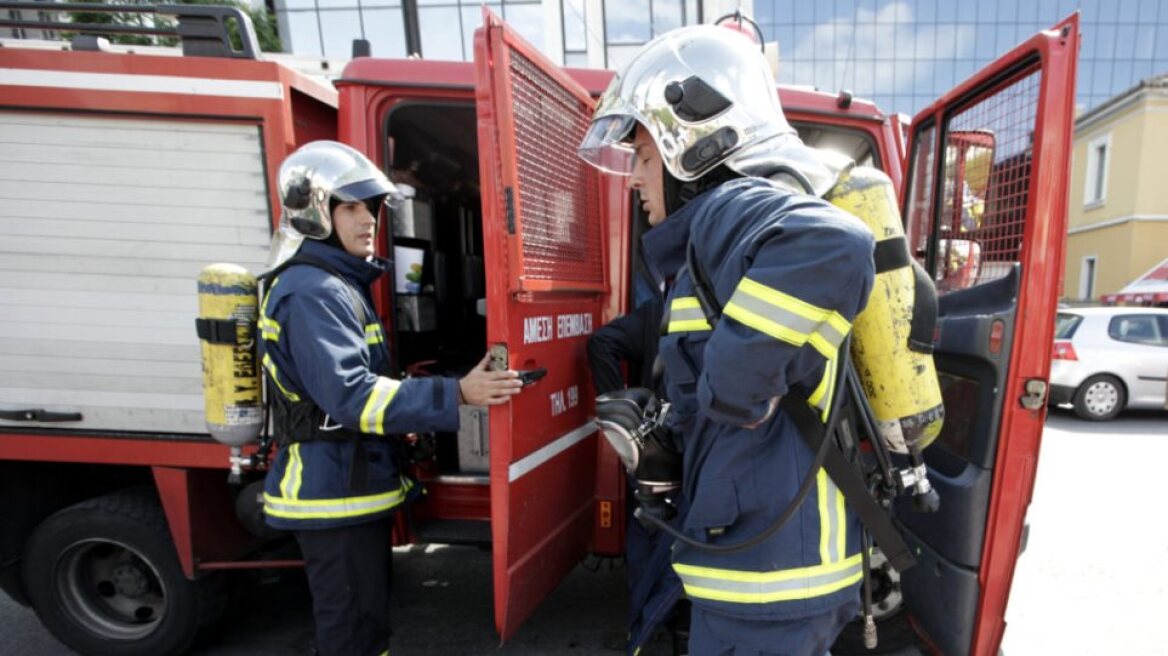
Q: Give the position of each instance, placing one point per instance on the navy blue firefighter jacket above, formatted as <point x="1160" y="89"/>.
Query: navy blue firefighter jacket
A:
<point x="791" y="272"/>
<point x="316" y="349"/>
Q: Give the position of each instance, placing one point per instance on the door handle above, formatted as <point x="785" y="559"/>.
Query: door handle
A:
<point x="39" y="414"/>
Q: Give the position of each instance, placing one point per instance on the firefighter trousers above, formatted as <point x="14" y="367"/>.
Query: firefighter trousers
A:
<point x="349" y="572"/>
<point x="712" y="634"/>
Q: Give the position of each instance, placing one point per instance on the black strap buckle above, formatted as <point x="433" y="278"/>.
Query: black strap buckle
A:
<point x="223" y="331"/>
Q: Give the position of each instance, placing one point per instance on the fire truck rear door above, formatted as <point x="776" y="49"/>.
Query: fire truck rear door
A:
<point x="986" y="202"/>
<point x="545" y="266"/>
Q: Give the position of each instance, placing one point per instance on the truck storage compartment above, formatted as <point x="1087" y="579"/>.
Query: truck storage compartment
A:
<point x="105" y="226"/>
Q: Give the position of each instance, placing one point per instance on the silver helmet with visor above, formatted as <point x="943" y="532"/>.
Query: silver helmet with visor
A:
<point x="315" y="177"/>
<point x="703" y="93"/>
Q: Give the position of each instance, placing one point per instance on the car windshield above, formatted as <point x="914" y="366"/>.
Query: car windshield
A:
<point x="1065" y="325"/>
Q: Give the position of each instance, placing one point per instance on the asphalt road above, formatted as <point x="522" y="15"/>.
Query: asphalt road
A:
<point x="1092" y="580"/>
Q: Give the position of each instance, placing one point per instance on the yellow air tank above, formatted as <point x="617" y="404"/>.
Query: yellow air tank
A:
<point x="900" y="382"/>
<point x="233" y="405"/>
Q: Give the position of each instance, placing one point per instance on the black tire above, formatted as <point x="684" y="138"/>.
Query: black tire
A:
<point x="1100" y="398"/>
<point x="104" y="578"/>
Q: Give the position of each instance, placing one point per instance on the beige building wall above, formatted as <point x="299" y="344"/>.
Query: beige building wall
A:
<point x="1127" y="232"/>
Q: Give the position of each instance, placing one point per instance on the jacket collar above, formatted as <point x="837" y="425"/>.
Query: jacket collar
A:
<point x="664" y="245"/>
<point x="356" y="270"/>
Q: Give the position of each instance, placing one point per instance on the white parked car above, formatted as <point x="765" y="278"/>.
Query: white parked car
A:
<point x="1107" y="359"/>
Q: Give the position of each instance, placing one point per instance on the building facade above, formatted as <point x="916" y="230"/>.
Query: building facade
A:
<point x="583" y="33"/>
<point x="1118" y="214"/>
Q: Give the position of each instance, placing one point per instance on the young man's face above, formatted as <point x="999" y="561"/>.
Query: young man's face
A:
<point x="647" y="176"/>
<point x="355" y="228"/>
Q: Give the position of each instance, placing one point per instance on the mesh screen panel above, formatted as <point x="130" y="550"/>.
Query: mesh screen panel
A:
<point x="559" y="222"/>
<point x="986" y="185"/>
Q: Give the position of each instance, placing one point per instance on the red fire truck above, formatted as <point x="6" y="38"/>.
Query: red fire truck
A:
<point x="124" y="174"/>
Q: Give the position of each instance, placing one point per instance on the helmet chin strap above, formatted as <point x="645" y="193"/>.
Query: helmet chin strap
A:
<point x="678" y="193"/>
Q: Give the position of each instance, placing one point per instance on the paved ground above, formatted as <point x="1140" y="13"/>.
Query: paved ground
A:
<point x="1092" y="582"/>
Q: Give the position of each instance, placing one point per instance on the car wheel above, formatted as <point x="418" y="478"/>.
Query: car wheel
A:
<point x="104" y="578"/>
<point x="1100" y="398"/>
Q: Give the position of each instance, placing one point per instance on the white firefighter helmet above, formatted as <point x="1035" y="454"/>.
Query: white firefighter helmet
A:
<point x="311" y="179"/>
<point x="703" y="93"/>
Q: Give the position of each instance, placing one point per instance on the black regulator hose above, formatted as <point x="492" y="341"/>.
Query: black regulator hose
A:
<point x="800" y="496"/>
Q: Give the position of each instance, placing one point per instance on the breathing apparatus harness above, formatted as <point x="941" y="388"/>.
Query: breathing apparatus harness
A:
<point x="304" y="421"/>
<point x="869" y="494"/>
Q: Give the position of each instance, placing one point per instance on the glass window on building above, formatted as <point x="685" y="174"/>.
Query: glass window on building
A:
<point x="626" y="22"/>
<point x="666" y="15"/>
<point x="1095" y="181"/>
<point x="527" y="19"/>
<point x="385" y="29"/>
<point x="572" y="13"/>
<point x="441" y="38"/>
<point x="340" y="27"/>
<point x="303" y="36"/>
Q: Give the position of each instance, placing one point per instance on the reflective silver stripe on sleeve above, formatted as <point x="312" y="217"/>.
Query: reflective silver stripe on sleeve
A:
<point x="796" y="322"/>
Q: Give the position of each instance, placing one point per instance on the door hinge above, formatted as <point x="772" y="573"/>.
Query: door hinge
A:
<point x="1035" y="396"/>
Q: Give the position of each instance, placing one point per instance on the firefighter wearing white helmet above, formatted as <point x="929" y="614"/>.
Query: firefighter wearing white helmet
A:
<point x="336" y="480"/>
<point x="763" y="280"/>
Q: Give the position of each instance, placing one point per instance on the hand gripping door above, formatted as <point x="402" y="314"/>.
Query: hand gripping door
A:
<point x="985" y="201"/>
<point x="545" y="263"/>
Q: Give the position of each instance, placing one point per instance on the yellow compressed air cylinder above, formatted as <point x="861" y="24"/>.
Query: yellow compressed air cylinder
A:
<point x="900" y="383"/>
<point x="228" y="305"/>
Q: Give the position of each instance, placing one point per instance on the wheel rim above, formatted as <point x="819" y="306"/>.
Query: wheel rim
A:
<point x="1101" y="398"/>
<point x="110" y="589"/>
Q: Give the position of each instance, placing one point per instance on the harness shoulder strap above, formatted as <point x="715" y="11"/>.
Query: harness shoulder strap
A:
<point x="842" y="471"/>
<point x="310" y="260"/>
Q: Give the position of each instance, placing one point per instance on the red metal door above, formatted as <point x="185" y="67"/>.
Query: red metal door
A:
<point x="986" y="202"/>
<point x="545" y="262"/>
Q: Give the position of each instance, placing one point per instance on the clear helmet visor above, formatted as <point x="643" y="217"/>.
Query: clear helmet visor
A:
<point x="608" y="144"/>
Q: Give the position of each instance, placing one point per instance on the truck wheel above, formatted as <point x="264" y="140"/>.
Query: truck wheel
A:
<point x="104" y="578"/>
<point x="1100" y="398"/>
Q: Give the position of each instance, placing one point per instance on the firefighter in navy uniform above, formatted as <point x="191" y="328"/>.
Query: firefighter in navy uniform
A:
<point x="336" y="480"/>
<point x="695" y="121"/>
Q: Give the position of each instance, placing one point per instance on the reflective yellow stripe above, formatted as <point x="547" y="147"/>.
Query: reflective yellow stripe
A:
<point x="335" y="508"/>
<point x="373" y="415"/>
<point x="275" y="375"/>
<point x="825" y="390"/>
<point x="796" y="305"/>
<point x="841" y="533"/>
<point x="289" y="468"/>
<point x="821" y="493"/>
<point x="787" y="318"/>
<point x="298" y="476"/>
<point x="685" y="315"/>
<point x="738" y="586"/>
<point x="269" y="329"/>
<point x="832" y="520"/>
<point x="373" y="334"/>
<point x="688" y="326"/>
<point x="816" y="398"/>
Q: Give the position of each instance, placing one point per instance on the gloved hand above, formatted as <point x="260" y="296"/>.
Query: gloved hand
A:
<point x="632" y="423"/>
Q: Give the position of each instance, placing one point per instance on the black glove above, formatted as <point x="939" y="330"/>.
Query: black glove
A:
<point x="632" y="423"/>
